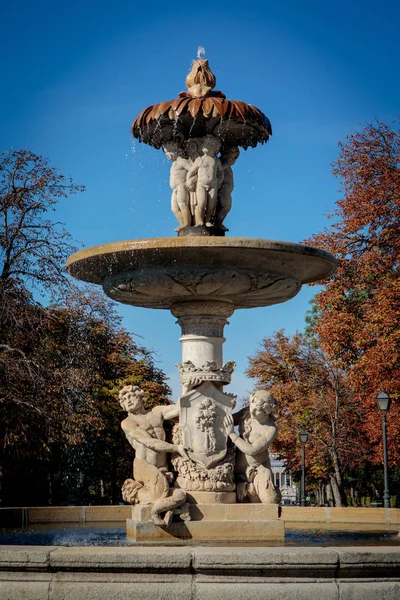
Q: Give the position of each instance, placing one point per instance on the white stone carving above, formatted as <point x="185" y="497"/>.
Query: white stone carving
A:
<point x="157" y="288"/>
<point x="192" y="407"/>
<point x="204" y="178"/>
<point x="201" y="307"/>
<point x="224" y="204"/>
<point x="209" y="326"/>
<point x="145" y="432"/>
<point x="180" y="194"/>
<point x="257" y="430"/>
<point x="194" y="477"/>
<point x="205" y="421"/>
<point x="193" y="152"/>
<point x="198" y="179"/>
<point x="210" y="371"/>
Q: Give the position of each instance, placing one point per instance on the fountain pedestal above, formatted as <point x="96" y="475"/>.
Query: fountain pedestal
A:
<point x="202" y="277"/>
<point x="202" y="281"/>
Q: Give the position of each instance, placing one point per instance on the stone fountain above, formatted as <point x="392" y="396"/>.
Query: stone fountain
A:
<point x="218" y="484"/>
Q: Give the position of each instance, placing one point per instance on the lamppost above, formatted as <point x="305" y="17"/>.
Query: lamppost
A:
<point x="303" y="437"/>
<point x="383" y="401"/>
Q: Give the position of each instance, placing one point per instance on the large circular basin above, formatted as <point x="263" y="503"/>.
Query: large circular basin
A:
<point x="157" y="273"/>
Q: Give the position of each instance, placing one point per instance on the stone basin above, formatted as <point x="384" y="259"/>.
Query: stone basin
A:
<point x="160" y="272"/>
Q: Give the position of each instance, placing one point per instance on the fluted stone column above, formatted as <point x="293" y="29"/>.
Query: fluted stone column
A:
<point x="202" y="323"/>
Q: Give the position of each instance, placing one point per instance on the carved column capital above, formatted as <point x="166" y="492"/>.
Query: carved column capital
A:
<point x="203" y="317"/>
<point x="212" y="327"/>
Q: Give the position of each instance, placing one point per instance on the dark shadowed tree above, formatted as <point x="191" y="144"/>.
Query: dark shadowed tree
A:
<point x="60" y="365"/>
<point x="33" y="248"/>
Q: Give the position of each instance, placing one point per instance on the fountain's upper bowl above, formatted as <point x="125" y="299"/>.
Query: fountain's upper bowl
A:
<point x="158" y="273"/>
<point x="201" y="111"/>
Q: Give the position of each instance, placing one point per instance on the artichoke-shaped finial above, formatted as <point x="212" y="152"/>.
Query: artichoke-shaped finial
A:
<point x="201" y="80"/>
<point x="200" y="111"/>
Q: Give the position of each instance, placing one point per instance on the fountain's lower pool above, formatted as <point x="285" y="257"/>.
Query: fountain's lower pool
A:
<point x="303" y="535"/>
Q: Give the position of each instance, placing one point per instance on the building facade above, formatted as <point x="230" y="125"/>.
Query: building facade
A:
<point x="283" y="481"/>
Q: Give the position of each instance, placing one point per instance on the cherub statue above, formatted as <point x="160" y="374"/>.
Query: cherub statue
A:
<point x="204" y="177"/>
<point x="193" y="152"/>
<point x="180" y="194"/>
<point x="192" y="149"/>
<point x="224" y="204"/>
<point x="145" y="432"/>
<point x="257" y="431"/>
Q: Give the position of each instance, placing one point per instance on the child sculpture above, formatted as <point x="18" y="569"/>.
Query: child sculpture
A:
<point x="180" y="194"/>
<point x="258" y="430"/>
<point x="205" y="177"/>
<point x="193" y="152"/>
<point x="224" y="205"/>
<point x="145" y="432"/>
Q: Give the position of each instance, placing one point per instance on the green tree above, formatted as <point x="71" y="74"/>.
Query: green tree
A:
<point x="71" y="440"/>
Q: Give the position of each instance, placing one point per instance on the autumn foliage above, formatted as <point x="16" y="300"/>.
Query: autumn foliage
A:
<point x="313" y="394"/>
<point x="358" y="312"/>
<point x="327" y="379"/>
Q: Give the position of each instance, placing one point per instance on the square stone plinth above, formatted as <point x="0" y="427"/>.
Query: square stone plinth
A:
<point x="211" y="522"/>
<point x="217" y="512"/>
<point x="206" y="531"/>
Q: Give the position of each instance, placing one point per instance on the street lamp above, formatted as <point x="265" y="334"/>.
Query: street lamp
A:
<point x="303" y="437"/>
<point x="383" y="401"/>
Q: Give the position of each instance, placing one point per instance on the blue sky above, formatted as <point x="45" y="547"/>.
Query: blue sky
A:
<point x="75" y="75"/>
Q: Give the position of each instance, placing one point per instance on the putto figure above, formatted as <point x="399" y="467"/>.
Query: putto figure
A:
<point x="145" y="432"/>
<point x="177" y="180"/>
<point x="204" y="177"/>
<point x="193" y="152"/>
<point x="201" y="183"/>
<point x="257" y="430"/>
<point x="224" y="204"/>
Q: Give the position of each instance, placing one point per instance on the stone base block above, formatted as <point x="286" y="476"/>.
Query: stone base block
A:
<point x="206" y="531"/>
<point x="211" y="522"/>
<point x="211" y="497"/>
<point x="217" y="512"/>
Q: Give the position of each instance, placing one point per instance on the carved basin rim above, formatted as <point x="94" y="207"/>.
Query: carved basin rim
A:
<point x="303" y="263"/>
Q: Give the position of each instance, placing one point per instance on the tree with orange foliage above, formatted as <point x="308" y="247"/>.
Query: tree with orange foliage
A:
<point x="312" y="393"/>
<point x="357" y="314"/>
